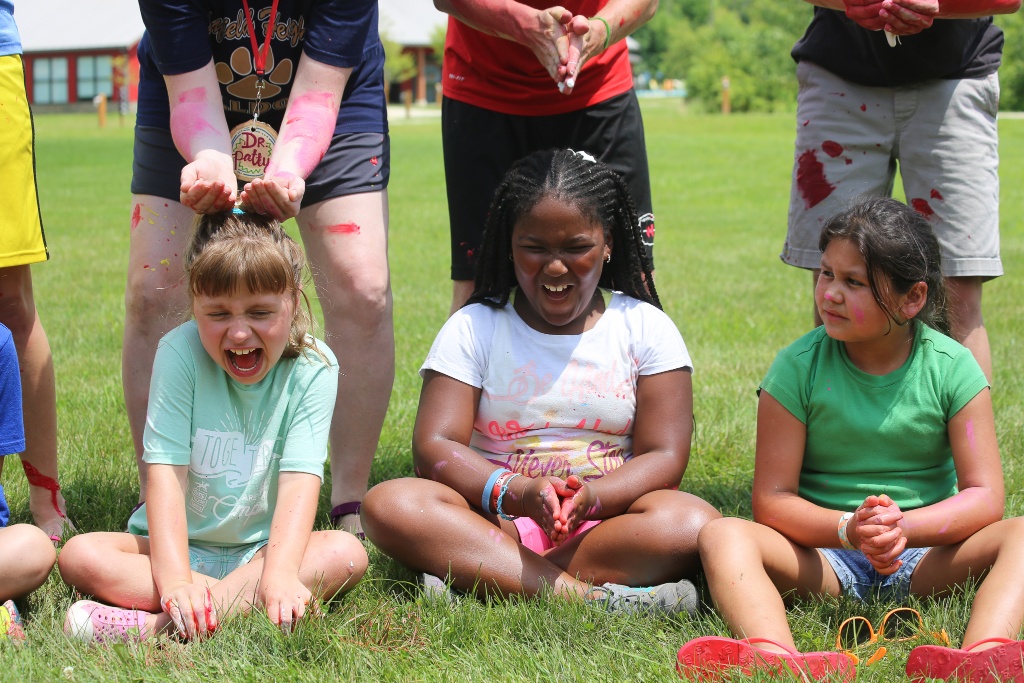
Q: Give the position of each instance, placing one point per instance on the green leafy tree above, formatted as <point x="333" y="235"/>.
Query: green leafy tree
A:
<point x="398" y="66"/>
<point x="1011" y="73"/>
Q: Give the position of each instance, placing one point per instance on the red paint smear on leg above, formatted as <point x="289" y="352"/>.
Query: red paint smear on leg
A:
<point x="343" y="229"/>
<point x="936" y="195"/>
<point x="922" y="207"/>
<point x="136" y="216"/>
<point x="622" y="22"/>
<point x="810" y="179"/>
<point x="832" y="148"/>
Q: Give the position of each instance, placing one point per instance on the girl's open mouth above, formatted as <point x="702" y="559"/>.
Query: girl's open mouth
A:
<point x="245" y="362"/>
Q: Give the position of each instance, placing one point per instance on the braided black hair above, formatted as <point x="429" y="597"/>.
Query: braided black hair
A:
<point x="897" y="244"/>
<point x="596" y="191"/>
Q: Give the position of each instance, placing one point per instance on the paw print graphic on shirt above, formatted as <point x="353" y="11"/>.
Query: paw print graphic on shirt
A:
<point x="240" y="67"/>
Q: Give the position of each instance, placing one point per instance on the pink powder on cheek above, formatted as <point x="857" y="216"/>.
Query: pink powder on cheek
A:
<point x="859" y="315"/>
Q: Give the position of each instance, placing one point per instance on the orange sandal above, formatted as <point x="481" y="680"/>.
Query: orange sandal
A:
<point x="711" y="657"/>
<point x="999" y="664"/>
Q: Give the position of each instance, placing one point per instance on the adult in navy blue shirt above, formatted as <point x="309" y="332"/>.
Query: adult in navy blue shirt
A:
<point x="310" y="72"/>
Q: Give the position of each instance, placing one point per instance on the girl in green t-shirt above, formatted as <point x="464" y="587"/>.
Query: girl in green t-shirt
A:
<point x="236" y="438"/>
<point x="877" y="470"/>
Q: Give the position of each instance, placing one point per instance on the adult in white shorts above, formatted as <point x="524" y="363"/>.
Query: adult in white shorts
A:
<point x="926" y="104"/>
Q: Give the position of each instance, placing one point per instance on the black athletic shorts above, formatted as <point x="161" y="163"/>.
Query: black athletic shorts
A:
<point x="480" y="145"/>
<point x="354" y="163"/>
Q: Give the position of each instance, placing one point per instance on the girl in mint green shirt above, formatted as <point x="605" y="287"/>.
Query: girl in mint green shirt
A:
<point x="239" y="411"/>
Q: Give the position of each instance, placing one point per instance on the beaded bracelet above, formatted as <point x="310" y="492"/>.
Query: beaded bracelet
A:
<point x="485" y="497"/>
<point x="843" y="538"/>
<point x="607" y="30"/>
<point x="501" y="495"/>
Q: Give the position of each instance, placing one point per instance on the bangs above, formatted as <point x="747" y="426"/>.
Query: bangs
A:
<point x="225" y="267"/>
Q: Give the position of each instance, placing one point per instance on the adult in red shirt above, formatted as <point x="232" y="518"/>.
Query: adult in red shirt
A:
<point x="520" y="77"/>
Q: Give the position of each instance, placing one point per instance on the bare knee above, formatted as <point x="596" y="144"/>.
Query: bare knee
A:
<point x="17" y="305"/>
<point x="721" y="536"/>
<point x="339" y="560"/>
<point x="155" y="299"/>
<point x="34" y="554"/>
<point x="361" y="299"/>
<point x="964" y="304"/>
<point x="82" y="560"/>
<point x="386" y="505"/>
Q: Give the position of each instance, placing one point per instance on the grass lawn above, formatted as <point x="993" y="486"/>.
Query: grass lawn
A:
<point x="721" y="188"/>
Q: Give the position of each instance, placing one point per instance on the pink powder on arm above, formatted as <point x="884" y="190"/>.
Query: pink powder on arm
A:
<point x="306" y="134"/>
<point x="190" y="127"/>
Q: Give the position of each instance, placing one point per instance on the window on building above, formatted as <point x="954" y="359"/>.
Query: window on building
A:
<point x="95" y="76"/>
<point x="50" y="80"/>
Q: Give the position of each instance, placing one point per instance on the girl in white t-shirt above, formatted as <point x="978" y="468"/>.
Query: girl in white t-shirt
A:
<point x="236" y="437"/>
<point x="555" y="417"/>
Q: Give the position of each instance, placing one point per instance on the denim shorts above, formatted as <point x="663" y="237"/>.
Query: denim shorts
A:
<point x="217" y="561"/>
<point x="859" y="579"/>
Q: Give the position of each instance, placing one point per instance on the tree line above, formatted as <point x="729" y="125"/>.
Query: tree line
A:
<point x="749" y="41"/>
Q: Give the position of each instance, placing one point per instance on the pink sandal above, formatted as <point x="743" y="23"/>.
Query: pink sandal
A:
<point x="711" y="657"/>
<point x="999" y="664"/>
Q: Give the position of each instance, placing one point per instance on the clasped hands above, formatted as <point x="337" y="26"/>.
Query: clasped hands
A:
<point x="874" y="530"/>
<point x="898" y="17"/>
<point x="559" y="39"/>
<point x="558" y="506"/>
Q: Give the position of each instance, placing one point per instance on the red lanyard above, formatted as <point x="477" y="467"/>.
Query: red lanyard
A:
<point x="259" y="56"/>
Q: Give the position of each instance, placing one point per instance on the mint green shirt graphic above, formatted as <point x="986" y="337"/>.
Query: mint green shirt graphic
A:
<point x="234" y="438"/>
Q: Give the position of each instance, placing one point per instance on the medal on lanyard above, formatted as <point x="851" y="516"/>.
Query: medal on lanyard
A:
<point x="253" y="141"/>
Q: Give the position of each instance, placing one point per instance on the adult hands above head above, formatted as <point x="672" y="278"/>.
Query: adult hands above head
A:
<point x="878" y="534"/>
<point x="208" y="183"/>
<point x="191" y="609"/>
<point x="279" y="195"/>
<point x="285" y="599"/>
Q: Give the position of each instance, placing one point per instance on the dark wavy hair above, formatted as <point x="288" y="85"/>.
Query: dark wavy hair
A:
<point x="593" y="188"/>
<point x="899" y="249"/>
<point x="229" y="251"/>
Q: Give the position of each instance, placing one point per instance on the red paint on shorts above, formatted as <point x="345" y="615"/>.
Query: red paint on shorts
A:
<point x="373" y="160"/>
<point x="810" y="179"/>
<point x="807" y="121"/>
<point x="936" y="195"/>
<point x="863" y="107"/>
<point x="343" y="229"/>
<point x="922" y="207"/>
<point x="832" y="148"/>
<point x="136" y="216"/>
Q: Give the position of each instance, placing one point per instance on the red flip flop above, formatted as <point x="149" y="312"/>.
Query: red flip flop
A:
<point x="999" y="664"/>
<point x="711" y="657"/>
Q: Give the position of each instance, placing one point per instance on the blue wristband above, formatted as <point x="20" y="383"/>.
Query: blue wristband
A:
<point x="485" y="497"/>
<point x="501" y="495"/>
